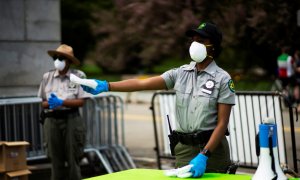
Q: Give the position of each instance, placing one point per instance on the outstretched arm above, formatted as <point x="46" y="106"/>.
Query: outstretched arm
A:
<point x="153" y="83"/>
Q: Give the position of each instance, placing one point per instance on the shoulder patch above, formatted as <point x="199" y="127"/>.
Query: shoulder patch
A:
<point x="231" y="85"/>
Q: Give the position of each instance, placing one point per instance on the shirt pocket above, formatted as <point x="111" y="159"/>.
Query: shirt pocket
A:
<point x="183" y="95"/>
<point x="206" y="102"/>
<point x="72" y="91"/>
<point x="48" y="90"/>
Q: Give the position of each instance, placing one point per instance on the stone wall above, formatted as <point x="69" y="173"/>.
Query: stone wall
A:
<point x="28" y="28"/>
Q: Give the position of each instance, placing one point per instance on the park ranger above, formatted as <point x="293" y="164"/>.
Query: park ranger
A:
<point x="204" y="97"/>
<point x="64" y="129"/>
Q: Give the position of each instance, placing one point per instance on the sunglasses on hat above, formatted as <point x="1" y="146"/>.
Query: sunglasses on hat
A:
<point x="60" y="58"/>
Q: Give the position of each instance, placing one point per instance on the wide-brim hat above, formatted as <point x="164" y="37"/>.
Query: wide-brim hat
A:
<point x="65" y="51"/>
<point x="207" y="30"/>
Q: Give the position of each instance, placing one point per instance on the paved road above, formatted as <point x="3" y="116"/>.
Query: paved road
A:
<point x="139" y="130"/>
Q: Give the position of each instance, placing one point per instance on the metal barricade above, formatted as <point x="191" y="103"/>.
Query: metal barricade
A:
<point x="249" y="111"/>
<point x="19" y="121"/>
<point x="106" y="132"/>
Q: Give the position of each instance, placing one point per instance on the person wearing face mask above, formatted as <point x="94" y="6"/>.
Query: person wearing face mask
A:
<point x="64" y="129"/>
<point x="204" y="97"/>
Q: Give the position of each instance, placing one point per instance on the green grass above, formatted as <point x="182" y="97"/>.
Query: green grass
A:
<point x="95" y="72"/>
<point x="91" y="69"/>
<point x="109" y="77"/>
<point x="251" y="85"/>
<point x="168" y="64"/>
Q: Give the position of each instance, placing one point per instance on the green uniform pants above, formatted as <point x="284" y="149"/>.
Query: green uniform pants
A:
<point x="218" y="161"/>
<point x="64" y="142"/>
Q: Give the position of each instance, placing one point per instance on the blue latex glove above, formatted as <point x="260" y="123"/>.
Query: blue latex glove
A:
<point x="54" y="101"/>
<point x="199" y="165"/>
<point x="101" y="87"/>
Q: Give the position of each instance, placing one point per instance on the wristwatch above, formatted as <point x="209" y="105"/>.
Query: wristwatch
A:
<point x="206" y="152"/>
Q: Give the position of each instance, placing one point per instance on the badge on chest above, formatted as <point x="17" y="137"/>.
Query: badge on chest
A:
<point x="209" y="86"/>
<point x="72" y="85"/>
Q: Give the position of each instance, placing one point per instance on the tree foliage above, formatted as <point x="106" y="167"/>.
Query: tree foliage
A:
<point x="77" y="20"/>
<point x="138" y="34"/>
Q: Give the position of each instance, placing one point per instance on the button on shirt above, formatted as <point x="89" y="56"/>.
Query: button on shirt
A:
<point x="61" y="85"/>
<point x="197" y="95"/>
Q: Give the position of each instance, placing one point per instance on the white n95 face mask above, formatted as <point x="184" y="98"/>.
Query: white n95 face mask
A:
<point x="198" y="51"/>
<point x="59" y="64"/>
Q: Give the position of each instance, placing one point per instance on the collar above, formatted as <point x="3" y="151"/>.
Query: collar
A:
<point x="56" y="73"/>
<point x="189" y="67"/>
<point x="210" y="69"/>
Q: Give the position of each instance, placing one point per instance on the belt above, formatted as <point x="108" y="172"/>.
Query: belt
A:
<point x="197" y="138"/>
<point x="61" y="113"/>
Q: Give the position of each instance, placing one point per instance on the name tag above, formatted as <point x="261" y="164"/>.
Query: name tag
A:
<point x="209" y="86"/>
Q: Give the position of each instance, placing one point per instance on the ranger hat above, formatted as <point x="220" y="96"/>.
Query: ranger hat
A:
<point x="65" y="51"/>
<point x="207" y="30"/>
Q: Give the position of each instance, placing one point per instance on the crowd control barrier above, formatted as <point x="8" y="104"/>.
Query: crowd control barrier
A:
<point x="19" y="121"/>
<point x="105" y="135"/>
<point x="249" y="111"/>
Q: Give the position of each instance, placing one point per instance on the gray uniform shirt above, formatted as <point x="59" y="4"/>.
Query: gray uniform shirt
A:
<point x="197" y="95"/>
<point x="61" y="85"/>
